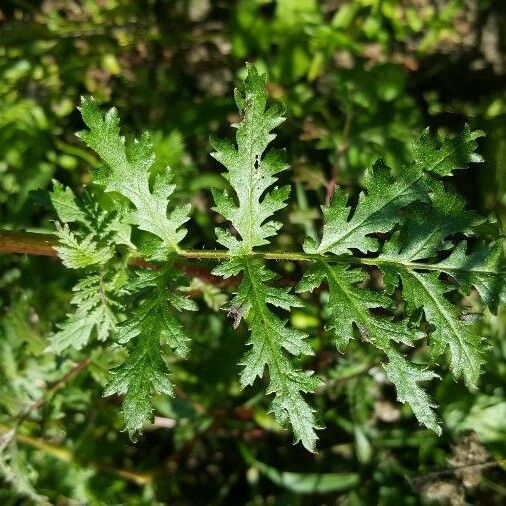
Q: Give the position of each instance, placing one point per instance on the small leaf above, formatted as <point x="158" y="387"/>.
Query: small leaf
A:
<point x="78" y="253"/>
<point x="270" y="340"/>
<point x="304" y="483"/>
<point x="483" y="269"/>
<point x="96" y="311"/>
<point x="405" y="377"/>
<point x="142" y="374"/>
<point x="443" y="159"/>
<point x="350" y="305"/>
<point x="65" y="204"/>
<point x="153" y="324"/>
<point x="377" y="210"/>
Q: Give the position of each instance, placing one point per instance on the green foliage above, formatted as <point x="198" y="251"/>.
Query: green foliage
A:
<point x="249" y="172"/>
<point x="400" y="283"/>
<point x="349" y="306"/>
<point x="380" y="222"/>
<point x="270" y="340"/>
<point x="127" y="173"/>
<point x="96" y="312"/>
<point x="144" y="372"/>
<point x="93" y="248"/>
<point x="376" y="211"/>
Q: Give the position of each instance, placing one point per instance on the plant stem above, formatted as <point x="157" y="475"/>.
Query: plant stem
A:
<point x="28" y="242"/>
<point x="44" y="244"/>
<point x="66" y="455"/>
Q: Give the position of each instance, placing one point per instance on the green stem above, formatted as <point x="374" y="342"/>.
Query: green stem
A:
<point x="44" y="244"/>
<point x="66" y="455"/>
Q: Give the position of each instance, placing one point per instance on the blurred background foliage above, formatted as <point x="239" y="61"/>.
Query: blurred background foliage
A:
<point x="359" y="78"/>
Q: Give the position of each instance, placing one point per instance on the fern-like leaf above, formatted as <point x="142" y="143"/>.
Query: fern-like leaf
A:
<point x="97" y="310"/>
<point x="78" y="253"/>
<point x="270" y="342"/>
<point x="377" y="211"/>
<point x="127" y="172"/>
<point x="482" y="269"/>
<point x="411" y="227"/>
<point x="151" y="325"/>
<point x="435" y="214"/>
<point x="249" y="172"/>
<point x="443" y="158"/>
<point x="91" y="248"/>
<point x="408" y="255"/>
<point x="350" y="305"/>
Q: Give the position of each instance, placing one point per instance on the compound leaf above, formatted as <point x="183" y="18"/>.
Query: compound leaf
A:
<point x="377" y="210"/>
<point x="151" y="325"/>
<point x="350" y="305"/>
<point x="78" y="253"/>
<point x="96" y="310"/>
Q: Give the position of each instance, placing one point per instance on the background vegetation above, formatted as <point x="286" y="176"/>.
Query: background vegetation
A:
<point x="359" y="79"/>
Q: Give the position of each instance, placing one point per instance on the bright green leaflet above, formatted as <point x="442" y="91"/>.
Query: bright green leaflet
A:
<point x="153" y="322"/>
<point x="350" y="306"/>
<point x="127" y="173"/>
<point x="249" y="172"/>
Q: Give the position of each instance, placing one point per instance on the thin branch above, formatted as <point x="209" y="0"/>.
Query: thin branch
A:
<point x="53" y="388"/>
<point x="417" y="481"/>
<point x="65" y="455"/>
<point x="31" y="243"/>
<point x="44" y="244"/>
<point x="28" y="242"/>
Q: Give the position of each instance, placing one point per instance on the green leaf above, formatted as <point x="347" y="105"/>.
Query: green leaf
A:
<point x="453" y="329"/>
<point x="78" y="253"/>
<point x="304" y="483"/>
<point x="65" y="204"/>
<point x="250" y="173"/>
<point x="142" y="374"/>
<point x="151" y="325"/>
<point x="443" y="159"/>
<point x="96" y="311"/>
<point x="424" y="290"/>
<point x="349" y="305"/>
<point x="406" y="376"/>
<point x="428" y="225"/>
<point x="104" y="226"/>
<point x="127" y="172"/>
<point x="378" y="208"/>
<point x="430" y="216"/>
<point x="377" y="211"/>
<point x="270" y="340"/>
<point x="483" y="269"/>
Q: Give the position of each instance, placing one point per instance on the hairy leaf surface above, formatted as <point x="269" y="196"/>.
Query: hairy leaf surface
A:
<point x="152" y="325"/>
<point x="349" y="305"/>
